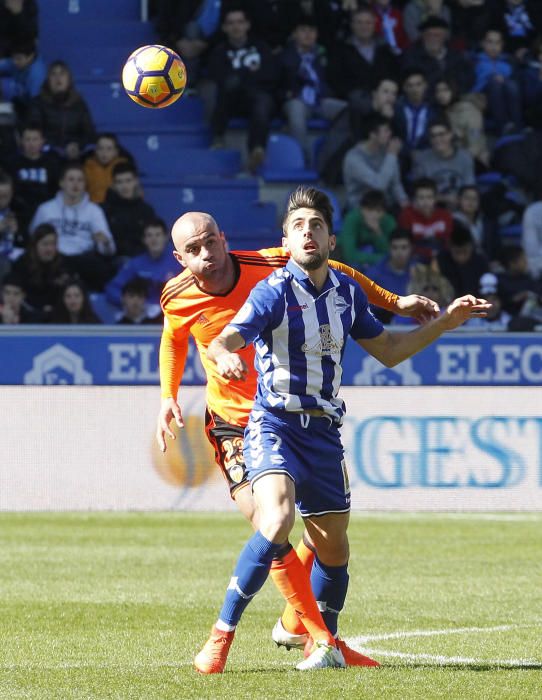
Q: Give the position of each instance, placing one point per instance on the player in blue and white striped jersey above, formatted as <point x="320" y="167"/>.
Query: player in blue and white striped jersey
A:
<point x="299" y="319"/>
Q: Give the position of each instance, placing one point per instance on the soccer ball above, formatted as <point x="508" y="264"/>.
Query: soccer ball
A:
<point x="154" y="76"/>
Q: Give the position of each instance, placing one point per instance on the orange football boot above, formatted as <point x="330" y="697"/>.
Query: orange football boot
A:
<point x="212" y="658"/>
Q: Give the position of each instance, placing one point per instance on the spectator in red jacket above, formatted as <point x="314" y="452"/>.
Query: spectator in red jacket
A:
<point x="429" y="224"/>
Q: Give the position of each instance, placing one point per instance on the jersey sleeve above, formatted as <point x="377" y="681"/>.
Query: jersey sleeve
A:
<point x="365" y="324"/>
<point x="173" y="353"/>
<point x="259" y="310"/>
<point x="376" y="295"/>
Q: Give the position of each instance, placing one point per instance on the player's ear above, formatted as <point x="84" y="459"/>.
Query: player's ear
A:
<point x="178" y="258"/>
<point x="332" y="241"/>
<point x="285" y="242"/>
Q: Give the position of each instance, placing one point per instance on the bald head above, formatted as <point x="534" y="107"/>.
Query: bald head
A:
<point x="201" y="247"/>
<point x="191" y="224"/>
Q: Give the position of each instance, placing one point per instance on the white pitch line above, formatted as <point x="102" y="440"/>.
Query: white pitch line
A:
<point x="435" y="633"/>
<point x="360" y="642"/>
<point x="443" y="660"/>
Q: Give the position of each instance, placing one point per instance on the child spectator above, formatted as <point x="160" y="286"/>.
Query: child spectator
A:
<point x="365" y="233"/>
<point x="461" y="264"/>
<point x="35" y="171"/>
<point x="126" y="211"/>
<point x="494" y="78"/>
<point x="134" y="304"/>
<point x="62" y="113"/>
<point x="74" y="306"/>
<point x="23" y="75"/>
<point x="307" y="93"/>
<point x="373" y="164"/>
<point x="429" y="224"/>
<point x="465" y="118"/>
<point x="83" y="233"/>
<point x="519" y="291"/>
<point x="43" y="269"/>
<point x="450" y="167"/>
<point x="496" y="318"/>
<point x="99" y="166"/>
<point x="156" y="266"/>
<point x="13" y="307"/>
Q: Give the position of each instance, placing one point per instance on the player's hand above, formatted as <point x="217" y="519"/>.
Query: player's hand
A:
<point x="460" y="310"/>
<point x="169" y="410"/>
<point x="418" y="307"/>
<point x="231" y="366"/>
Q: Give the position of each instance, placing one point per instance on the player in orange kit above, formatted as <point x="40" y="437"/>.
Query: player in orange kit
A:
<point x="200" y="302"/>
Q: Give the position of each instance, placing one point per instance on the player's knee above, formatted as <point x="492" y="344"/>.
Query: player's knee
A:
<point x="276" y="526"/>
<point x="333" y="550"/>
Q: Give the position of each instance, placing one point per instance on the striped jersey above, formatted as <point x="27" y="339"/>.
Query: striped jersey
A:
<point x="188" y="310"/>
<point x="299" y="335"/>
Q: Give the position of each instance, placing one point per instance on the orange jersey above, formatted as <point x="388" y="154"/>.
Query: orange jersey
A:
<point x="190" y="311"/>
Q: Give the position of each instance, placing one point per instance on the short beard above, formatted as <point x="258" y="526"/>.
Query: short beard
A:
<point x="313" y="262"/>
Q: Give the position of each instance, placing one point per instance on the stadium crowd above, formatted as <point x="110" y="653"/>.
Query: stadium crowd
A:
<point x="433" y="141"/>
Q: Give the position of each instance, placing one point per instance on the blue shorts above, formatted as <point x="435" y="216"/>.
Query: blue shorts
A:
<point x="308" y="449"/>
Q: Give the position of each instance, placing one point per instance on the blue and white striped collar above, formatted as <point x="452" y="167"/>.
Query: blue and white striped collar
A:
<point x="301" y="276"/>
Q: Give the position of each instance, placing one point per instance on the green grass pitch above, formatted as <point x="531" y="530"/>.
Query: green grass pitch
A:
<point x="117" y="605"/>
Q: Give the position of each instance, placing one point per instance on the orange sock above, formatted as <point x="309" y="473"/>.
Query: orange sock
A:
<point x="290" y="621"/>
<point x="291" y="578"/>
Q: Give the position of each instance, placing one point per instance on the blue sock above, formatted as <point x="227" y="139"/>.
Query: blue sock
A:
<point x="250" y="573"/>
<point x="329" y="585"/>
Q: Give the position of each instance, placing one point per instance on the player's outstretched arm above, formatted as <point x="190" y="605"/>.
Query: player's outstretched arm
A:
<point x="172" y="359"/>
<point x="390" y="348"/>
<point x="169" y="410"/>
<point x="415" y="306"/>
<point x="222" y="351"/>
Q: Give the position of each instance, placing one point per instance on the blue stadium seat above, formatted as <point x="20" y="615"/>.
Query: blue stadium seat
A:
<point x="113" y="109"/>
<point x="505" y="140"/>
<point x="77" y="10"/>
<point x="233" y="211"/>
<point x="93" y="61"/>
<point x="240" y="219"/>
<point x="285" y="162"/>
<point x="163" y="141"/>
<point x="511" y="233"/>
<point x="189" y="162"/>
<point x="199" y="193"/>
<point x="126" y="33"/>
<point x="250" y="241"/>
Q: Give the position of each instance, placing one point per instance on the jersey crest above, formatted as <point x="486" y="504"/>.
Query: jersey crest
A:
<point x="327" y="345"/>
